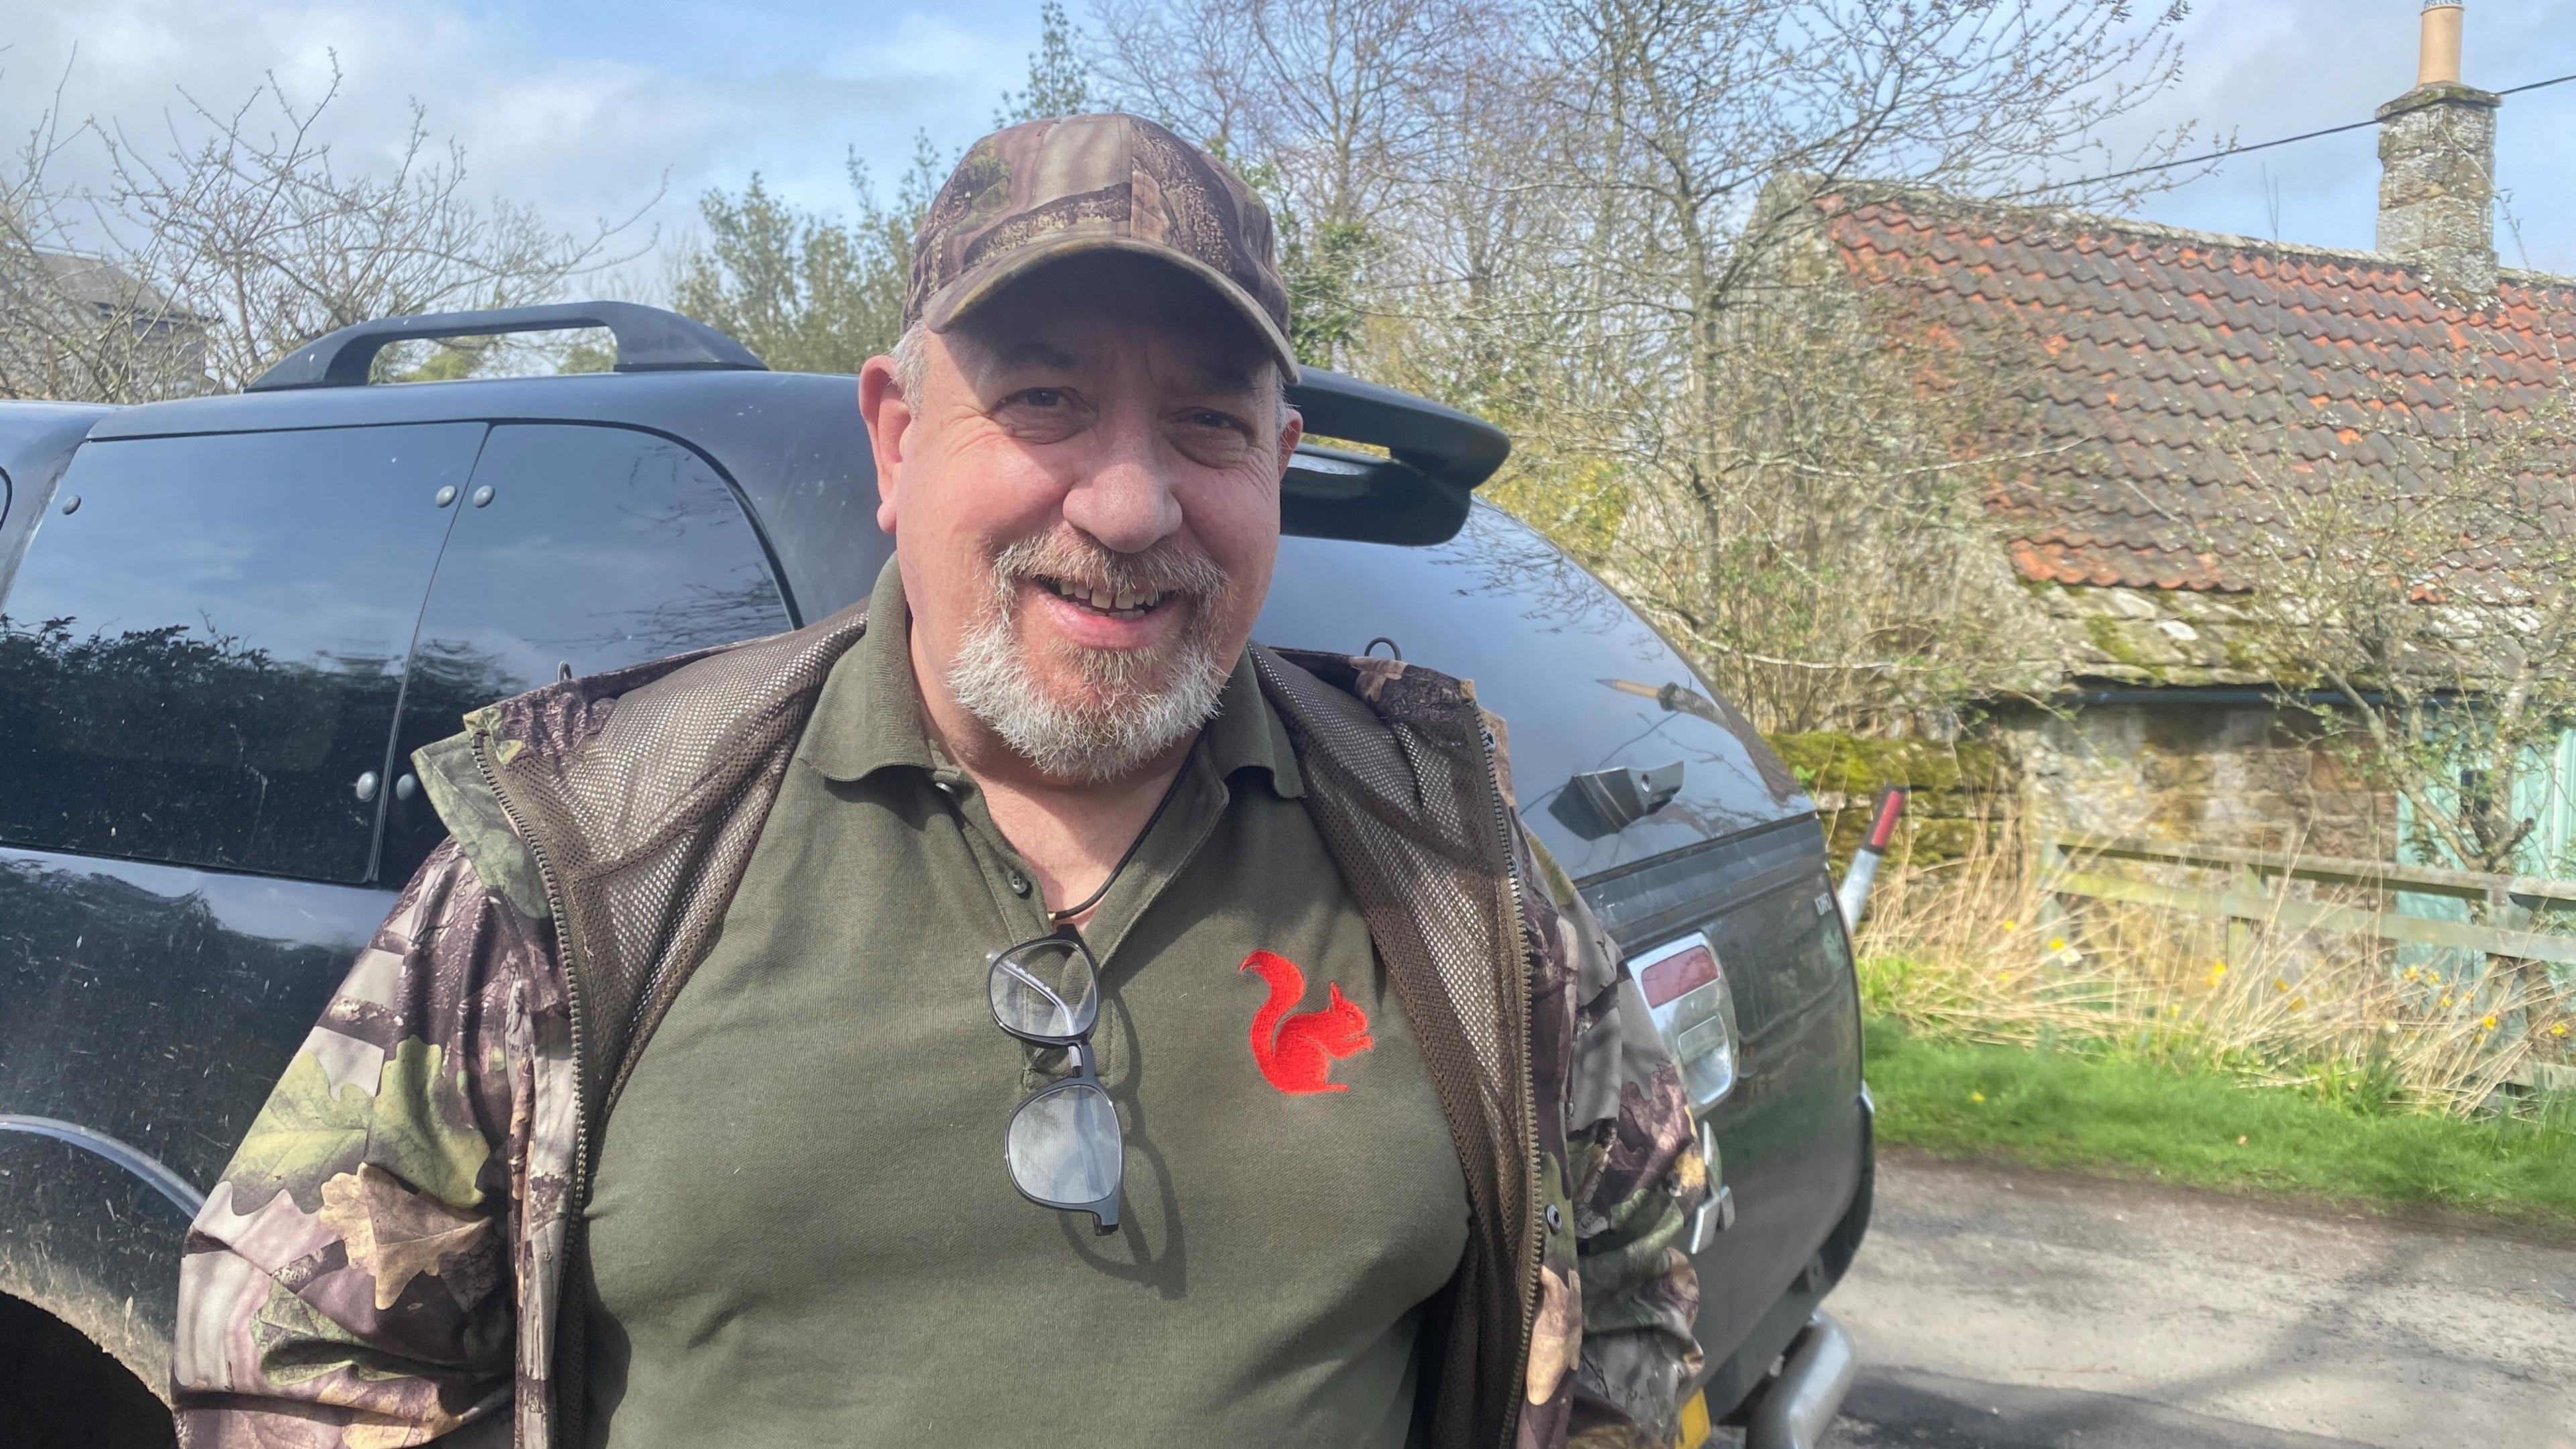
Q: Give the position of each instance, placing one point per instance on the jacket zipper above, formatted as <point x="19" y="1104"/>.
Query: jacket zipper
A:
<point x="572" y="991"/>
<point x="1528" y="1089"/>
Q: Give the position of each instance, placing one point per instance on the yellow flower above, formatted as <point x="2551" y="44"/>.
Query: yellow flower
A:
<point x="2414" y="973"/>
<point x="2057" y="943"/>
<point x="1976" y="1096"/>
<point x="2173" y="1011"/>
<point x="2280" y="985"/>
<point x="2012" y="925"/>
<point x="2487" y="1021"/>
<point x="2559" y="1030"/>
<point x="2217" y="973"/>
<point x="2445" y="1002"/>
<point x="2297" y="1001"/>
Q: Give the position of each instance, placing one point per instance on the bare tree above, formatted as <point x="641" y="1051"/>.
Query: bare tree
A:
<point x="2416" y="595"/>
<point x="238" y="237"/>
<point x="1330" y="108"/>
<point x="73" y="323"/>
<point x="1599" y="222"/>
<point x="1332" y="92"/>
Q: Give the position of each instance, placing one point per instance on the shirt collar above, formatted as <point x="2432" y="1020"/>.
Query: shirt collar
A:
<point x="1247" y="734"/>
<point x="868" y="717"/>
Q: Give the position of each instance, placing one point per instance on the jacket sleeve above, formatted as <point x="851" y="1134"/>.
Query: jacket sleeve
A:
<point x="350" y="1280"/>
<point x="1633" y="1174"/>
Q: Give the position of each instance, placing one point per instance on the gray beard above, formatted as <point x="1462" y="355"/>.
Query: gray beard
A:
<point x="1120" y="728"/>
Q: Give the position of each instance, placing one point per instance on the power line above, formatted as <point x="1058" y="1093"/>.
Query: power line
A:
<point x="2241" y="150"/>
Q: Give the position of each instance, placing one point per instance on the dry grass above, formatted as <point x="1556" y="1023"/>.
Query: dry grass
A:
<point x="1973" y="950"/>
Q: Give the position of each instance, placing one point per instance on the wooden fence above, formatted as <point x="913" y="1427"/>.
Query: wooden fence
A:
<point x="2073" y="865"/>
<point x="2087" y="866"/>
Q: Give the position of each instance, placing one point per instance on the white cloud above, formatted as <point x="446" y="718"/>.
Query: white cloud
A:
<point x="584" y="107"/>
<point x="578" y="134"/>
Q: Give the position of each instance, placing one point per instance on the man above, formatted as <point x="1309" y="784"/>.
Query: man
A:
<point x="1331" y="1116"/>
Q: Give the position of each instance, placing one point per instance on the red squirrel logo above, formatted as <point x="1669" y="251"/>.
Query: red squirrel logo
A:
<point x="1296" y="1054"/>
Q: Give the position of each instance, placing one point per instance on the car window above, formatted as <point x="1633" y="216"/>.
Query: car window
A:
<point x="200" y="655"/>
<point x="593" y="547"/>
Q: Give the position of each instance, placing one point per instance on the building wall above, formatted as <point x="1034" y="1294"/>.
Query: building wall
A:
<point x="2216" y="773"/>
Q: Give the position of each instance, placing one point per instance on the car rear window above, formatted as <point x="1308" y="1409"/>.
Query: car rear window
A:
<point x="200" y="655"/>
<point x="1582" y="683"/>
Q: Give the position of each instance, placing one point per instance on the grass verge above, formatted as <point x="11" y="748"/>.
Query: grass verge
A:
<point x="2071" y="1107"/>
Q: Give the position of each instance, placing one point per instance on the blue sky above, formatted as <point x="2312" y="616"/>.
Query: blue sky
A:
<point x="584" y="107"/>
<point x="2269" y="68"/>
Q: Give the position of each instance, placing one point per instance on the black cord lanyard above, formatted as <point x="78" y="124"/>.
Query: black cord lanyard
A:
<point x="1058" y="918"/>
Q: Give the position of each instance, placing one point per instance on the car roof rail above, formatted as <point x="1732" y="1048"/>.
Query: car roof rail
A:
<point x="1418" y="494"/>
<point x="649" y="339"/>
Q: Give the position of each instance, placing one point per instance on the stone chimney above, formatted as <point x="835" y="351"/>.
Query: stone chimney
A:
<point x="2437" y="167"/>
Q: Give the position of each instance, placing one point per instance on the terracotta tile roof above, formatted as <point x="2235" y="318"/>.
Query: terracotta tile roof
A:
<point x="2154" y="354"/>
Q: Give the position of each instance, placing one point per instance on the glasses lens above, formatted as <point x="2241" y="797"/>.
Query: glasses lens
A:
<point x="1064" y="1146"/>
<point x="1045" y="989"/>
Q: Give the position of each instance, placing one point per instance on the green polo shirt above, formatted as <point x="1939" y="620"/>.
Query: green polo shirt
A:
<point x="802" y="1231"/>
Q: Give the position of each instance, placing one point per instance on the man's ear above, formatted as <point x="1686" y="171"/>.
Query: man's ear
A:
<point x="1289" y="432"/>
<point x="888" y="415"/>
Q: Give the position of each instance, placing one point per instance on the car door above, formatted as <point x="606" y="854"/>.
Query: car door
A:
<point x="578" y="548"/>
<point x="200" y="656"/>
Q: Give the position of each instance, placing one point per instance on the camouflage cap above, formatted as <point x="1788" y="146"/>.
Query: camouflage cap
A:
<point x="1045" y="190"/>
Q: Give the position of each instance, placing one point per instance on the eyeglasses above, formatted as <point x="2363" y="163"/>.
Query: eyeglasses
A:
<point x="1063" y="1144"/>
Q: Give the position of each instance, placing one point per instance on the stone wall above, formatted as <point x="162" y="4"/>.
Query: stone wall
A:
<point x="2241" y="774"/>
<point x="1960" y="795"/>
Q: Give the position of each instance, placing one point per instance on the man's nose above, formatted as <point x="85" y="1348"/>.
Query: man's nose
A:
<point x="1126" y="500"/>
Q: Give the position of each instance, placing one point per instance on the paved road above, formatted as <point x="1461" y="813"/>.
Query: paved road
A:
<point x="2000" y="1309"/>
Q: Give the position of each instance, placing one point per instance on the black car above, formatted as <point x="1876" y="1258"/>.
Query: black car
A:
<point x="226" y="622"/>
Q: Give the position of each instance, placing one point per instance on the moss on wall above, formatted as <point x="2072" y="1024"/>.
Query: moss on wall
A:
<point x="1826" y="761"/>
<point x="1957" y="793"/>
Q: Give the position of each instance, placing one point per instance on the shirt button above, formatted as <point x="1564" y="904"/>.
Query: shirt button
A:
<point x="1019" y="884"/>
<point x="1555" y="1219"/>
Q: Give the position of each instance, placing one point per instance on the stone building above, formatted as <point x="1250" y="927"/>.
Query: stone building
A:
<point x="2164" y="360"/>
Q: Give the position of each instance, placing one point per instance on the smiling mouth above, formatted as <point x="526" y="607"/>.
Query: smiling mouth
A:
<point x="1116" y="604"/>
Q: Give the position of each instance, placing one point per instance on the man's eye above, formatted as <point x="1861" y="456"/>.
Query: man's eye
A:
<point x="1211" y="418"/>
<point x="1043" y="397"/>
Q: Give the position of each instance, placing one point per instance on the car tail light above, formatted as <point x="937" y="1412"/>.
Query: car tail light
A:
<point x="1685" y="989"/>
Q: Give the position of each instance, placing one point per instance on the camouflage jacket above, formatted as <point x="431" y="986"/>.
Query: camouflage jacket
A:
<point x="385" y="1261"/>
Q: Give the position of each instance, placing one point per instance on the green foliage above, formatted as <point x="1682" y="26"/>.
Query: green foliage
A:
<point x="1059" y="83"/>
<point x="2088" y="1105"/>
<point x="449" y="361"/>
<point x="810" y="292"/>
<point x="807" y="292"/>
<point x="1580" y="501"/>
<point x="1322" y="264"/>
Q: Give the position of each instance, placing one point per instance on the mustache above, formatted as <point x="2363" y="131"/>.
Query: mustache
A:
<point x="1075" y="558"/>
